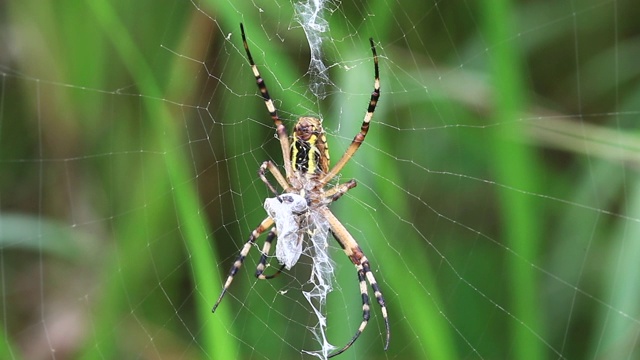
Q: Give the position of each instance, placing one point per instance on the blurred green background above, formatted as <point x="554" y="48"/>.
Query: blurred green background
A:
<point x="498" y="197"/>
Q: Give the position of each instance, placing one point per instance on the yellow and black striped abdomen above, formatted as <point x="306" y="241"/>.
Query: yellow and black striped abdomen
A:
<point x="309" y="150"/>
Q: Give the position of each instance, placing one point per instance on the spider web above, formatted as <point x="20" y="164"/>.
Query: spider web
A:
<point x="498" y="204"/>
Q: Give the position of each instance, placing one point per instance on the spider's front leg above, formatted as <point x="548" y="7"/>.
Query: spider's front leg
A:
<point x="280" y="128"/>
<point x="364" y="128"/>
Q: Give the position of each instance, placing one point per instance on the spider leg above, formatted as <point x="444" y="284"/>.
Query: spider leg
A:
<point x="357" y="257"/>
<point x="337" y="191"/>
<point x="366" y="312"/>
<point x="265" y="254"/>
<point x="280" y="128"/>
<point x="268" y="165"/>
<point x="264" y="225"/>
<point x="359" y="138"/>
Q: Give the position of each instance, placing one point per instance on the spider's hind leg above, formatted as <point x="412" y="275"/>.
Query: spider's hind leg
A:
<point x="363" y="268"/>
<point x="265" y="255"/>
<point x="264" y="225"/>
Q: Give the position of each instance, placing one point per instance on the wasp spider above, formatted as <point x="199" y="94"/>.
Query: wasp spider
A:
<point x="307" y="173"/>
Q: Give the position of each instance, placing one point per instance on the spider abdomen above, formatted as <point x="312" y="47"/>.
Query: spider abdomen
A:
<point x="310" y="153"/>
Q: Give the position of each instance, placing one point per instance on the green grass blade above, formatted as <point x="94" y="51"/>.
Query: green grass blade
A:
<point x="515" y="165"/>
<point x="166" y="132"/>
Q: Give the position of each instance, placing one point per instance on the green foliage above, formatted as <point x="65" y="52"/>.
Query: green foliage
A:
<point x="496" y="199"/>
